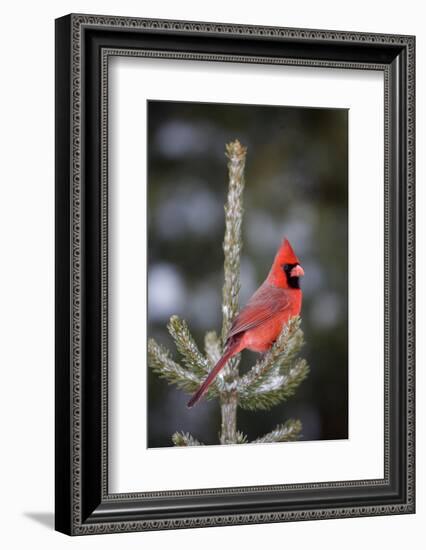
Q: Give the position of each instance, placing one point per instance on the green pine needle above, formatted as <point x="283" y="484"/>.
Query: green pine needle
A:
<point x="275" y="377"/>
<point x="182" y="439"/>
<point x="185" y="343"/>
<point x="241" y="438"/>
<point x="159" y="361"/>
<point x="290" y="431"/>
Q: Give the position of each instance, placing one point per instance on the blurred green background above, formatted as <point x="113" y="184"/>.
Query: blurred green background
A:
<point x="296" y="186"/>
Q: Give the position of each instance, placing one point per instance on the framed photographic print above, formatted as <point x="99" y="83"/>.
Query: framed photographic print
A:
<point x="234" y="274"/>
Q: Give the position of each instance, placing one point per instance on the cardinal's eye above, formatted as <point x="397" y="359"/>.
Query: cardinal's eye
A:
<point x="287" y="267"/>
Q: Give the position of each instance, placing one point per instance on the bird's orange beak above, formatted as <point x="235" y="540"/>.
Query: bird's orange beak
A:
<point x="297" y="271"/>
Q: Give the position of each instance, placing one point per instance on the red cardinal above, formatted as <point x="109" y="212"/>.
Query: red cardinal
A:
<point x="261" y="321"/>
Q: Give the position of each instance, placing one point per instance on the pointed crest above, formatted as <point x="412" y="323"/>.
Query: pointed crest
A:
<point x="285" y="254"/>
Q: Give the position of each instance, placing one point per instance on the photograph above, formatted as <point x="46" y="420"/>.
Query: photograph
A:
<point x="247" y="215"/>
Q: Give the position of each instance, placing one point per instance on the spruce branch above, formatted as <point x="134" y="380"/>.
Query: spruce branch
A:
<point x="289" y="431"/>
<point x="285" y="348"/>
<point x="276" y="376"/>
<point x="185" y="439"/>
<point x="277" y="389"/>
<point x="159" y="361"/>
<point x="186" y="346"/>
<point x="241" y="438"/>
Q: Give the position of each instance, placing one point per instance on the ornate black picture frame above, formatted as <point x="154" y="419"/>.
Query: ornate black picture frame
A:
<point x="83" y="45"/>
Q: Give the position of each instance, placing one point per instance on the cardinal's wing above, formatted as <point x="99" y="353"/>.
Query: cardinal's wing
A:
<point x="267" y="302"/>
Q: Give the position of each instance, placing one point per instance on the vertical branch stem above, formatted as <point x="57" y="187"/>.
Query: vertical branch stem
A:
<point x="228" y="407"/>
<point x="232" y="244"/>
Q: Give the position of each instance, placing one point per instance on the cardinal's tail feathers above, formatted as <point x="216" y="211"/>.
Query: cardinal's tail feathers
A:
<point x="211" y="376"/>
